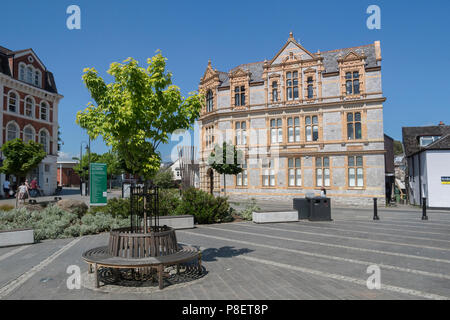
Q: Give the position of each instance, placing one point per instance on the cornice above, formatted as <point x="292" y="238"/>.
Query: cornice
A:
<point x="29" y="89"/>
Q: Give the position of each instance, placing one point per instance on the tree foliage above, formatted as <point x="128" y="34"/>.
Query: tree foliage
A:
<point x="137" y="112"/>
<point x="82" y="168"/>
<point x="164" y="178"/>
<point x="398" y="148"/>
<point x="20" y="157"/>
<point x="226" y="160"/>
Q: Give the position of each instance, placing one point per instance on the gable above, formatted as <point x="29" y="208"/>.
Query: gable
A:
<point x="292" y="50"/>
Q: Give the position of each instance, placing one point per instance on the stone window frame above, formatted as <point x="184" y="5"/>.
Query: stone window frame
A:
<point x="209" y="100"/>
<point x="286" y="86"/>
<point x="236" y="131"/>
<point x="352" y="63"/>
<point x="295" y="168"/>
<point x="350" y="77"/>
<point x="268" y="164"/>
<point x="354" y="122"/>
<point x="33" y="106"/>
<point x="294" y="126"/>
<point x="17" y="101"/>
<point x="209" y="137"/>
<point x="310" y="73"/>
<point x="44" y="105"/>
<point x="242" y="174"/>
<point x="355" y="166"/>
<point x="312" y="125"/>
<point x="240" y="93"/>
<point x="279" y="128"/>
<point x="33" y="133"/>
<point x="16" y="125"/>
<point x="316" y="167"/>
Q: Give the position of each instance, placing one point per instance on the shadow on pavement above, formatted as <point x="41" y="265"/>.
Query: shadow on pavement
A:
<point x="211" y="254"/>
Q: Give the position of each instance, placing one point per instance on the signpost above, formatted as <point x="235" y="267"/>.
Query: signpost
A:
<point x="98" y="184"/>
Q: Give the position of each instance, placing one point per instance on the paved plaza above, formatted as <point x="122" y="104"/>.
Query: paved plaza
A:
<point x="243" y="260"/>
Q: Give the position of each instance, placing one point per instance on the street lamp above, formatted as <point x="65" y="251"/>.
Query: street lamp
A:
<point x="81" y="162"/>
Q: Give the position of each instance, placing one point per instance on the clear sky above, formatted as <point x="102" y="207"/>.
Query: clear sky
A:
<point x="414" y="39"/>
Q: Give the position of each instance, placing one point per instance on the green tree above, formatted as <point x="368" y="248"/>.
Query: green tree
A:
<point x="137" y="112"/>
<point x="113" y="167"/>
<point x="82" y="168"/>
<point x="226" y="160"/>
<point x="398" y="148"/>
<point x="21" y="158"/>
<point x="164" y="178"/>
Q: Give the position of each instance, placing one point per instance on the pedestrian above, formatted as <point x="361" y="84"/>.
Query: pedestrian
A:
<point x="323" y="192"/>
<point x="6" y="187"/>
<point x="23" y="192"/>
<point x="34" y="187"/>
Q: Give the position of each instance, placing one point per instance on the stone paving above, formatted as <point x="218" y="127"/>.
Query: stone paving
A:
<point x="301" y="260"/>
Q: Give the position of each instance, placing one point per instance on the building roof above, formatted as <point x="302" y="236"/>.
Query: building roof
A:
<point x="411" y="138"/>
<point x="330" y="62"/>
<point x="6" y="54"/>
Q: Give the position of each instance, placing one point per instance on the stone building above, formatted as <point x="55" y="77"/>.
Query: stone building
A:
<point x="303" y="120"/>
<point x="29" y="110"/>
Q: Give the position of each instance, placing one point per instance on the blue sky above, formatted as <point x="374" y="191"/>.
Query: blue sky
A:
<point x="414" y="39"/>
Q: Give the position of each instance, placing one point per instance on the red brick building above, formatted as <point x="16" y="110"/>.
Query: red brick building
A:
<point x="29" y="109"/>
<point x="66" y="176"/>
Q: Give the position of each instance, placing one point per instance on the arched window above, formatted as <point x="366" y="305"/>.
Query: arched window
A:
<point x="22" y="72"/>
<point x="13" y="102"/>
<point x="37" y="78"/>
<point x="43" y="139"/>
<point x="28" y="134"/>
<point x="209" y="101"/>
<point x="29" y="106"/>
<point x="29" y="77"/>
<point x="12" y="131"/>
<point x="44" y="111"/>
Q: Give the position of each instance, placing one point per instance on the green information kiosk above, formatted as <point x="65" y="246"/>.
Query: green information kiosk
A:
<point x="98" y="184"/>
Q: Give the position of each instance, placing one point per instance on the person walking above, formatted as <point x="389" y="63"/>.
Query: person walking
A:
<point x="23" y="192"/>
<point x="6" y="187"/>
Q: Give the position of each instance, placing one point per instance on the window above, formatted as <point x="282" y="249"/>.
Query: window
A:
<point x="355" y="171"/>
<point x="295" y="172"/>
<point x="354" y="125"/>
<point x="43" y="139"/>
<point x="268" y="177"/>
<point x="209" y="101"/>
<point x="274" y="91"/>
<point x="13" y="102"/>
<point x="292" y="85"/>
<point x="29" y="105"/>
<point x="241" y="133"/>
<point x="22" y="72"/>
<point x="312" y="128"/>
<point x="28" y="134"/>
<point x="239" y="96"/>
<point x="322" y="172"/>
<point x="310" y="83"/>
<point x="276" y="131"/>
<point x="47" y="168"/>
<point x="352" y="82"/>
<point x="44" y="111"/>
<point x="37" y="78"/>
<point x="426" y="140"/>
<point x="29" y="75"/>
<point x="241" y="178"/>
<point x="209" y="136"/>
<point x="293" y="129"/>
<point x="12" y="132"/>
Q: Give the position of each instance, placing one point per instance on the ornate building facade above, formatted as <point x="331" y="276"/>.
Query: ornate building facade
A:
<point x="304" y="121"/>
<point x="29" y="109"/>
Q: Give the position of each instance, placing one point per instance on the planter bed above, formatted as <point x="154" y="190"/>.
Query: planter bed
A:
<point x="177" y="222"/>
<point x="16" y="237"/>
<point x="275" y="216"/>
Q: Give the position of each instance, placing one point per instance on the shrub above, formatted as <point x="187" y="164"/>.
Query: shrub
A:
<point x="204" y="207"/>
<point x="251" y="206"/>
<point x="169" y="201"/>
<point x="6" y="207"/>
<point x="116" y="207"/>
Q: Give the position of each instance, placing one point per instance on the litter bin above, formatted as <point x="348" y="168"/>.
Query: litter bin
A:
<point x="303" y="207"/>
<point x="320" y="209"/>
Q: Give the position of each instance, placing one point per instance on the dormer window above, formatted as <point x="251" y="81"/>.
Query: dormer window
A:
<point x="209" y="101"/>
<point x="352" y="82"/>
<point x="274" y="91"/>
<point x="427" y="140"/>
<point x="22" y="72"/>
<point x="310" y="83"/>
<point x="239" y="96"/>
<point x="292" y="85"/>
<point x="37" y="78"/>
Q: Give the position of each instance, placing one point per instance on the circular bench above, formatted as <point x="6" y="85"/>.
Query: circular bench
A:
<point x="100" y="257"/>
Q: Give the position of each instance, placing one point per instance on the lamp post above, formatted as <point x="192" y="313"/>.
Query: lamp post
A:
<point x="81" y="164"/>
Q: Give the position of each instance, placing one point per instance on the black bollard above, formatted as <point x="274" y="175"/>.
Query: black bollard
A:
<point x="424" y="209"/>
<point x="375" y="210"/>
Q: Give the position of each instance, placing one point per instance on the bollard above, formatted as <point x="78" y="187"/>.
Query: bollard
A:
<point x="375" y="210"/>
<point x="424" y="209"/>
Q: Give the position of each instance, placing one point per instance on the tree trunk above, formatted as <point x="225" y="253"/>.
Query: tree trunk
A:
<point x="224" y="185"/>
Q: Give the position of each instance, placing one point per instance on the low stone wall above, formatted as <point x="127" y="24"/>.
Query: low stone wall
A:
<point x="16" y="237"/>
<point x="177" y="222"/>
<point x="275" y="216"/>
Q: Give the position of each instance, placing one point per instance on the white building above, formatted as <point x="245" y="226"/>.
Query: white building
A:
<point x="428" y="160"/>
